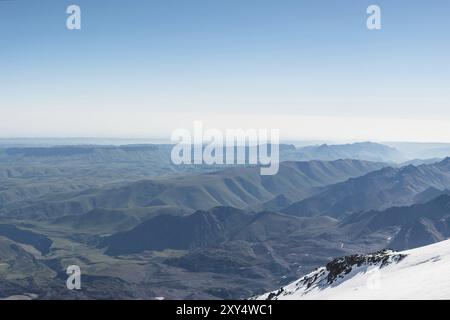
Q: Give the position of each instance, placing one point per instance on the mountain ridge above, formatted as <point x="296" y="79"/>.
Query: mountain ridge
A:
<point x="421" y="273"/>
<point x="377" y="190"/>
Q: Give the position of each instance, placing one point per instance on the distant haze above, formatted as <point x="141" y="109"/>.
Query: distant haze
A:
<point x="144" y="68"/>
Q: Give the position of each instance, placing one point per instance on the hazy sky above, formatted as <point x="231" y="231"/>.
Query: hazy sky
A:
<point x="144" y="68"/>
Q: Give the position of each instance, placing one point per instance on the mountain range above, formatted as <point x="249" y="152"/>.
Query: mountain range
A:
<point x="362" y="151"/>
<point x="376" y="190"/>
<point x="141" y="228"/>
<point x="236" y="187"/>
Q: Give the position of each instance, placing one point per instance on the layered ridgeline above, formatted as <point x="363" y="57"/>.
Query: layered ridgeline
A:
<point x="239" y="187"/>
<point x="397" y="227"/>
<point x="362" y="151"/>
<point x="230" y="241"/>
<point x="422" y="273"/>
<point x="377" y="190"/>
<point x="209" y="229"/>
<point x="139" y="231"/>
<point x="160" y="153"/>
<point x="31" y="172"/>
<point x="405" y="227"/>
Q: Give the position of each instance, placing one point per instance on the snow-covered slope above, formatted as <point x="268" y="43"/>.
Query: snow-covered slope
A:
<point x="421" y="273"/>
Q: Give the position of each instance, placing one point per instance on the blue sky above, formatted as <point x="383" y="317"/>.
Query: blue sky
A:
<point x="143" y="68"/>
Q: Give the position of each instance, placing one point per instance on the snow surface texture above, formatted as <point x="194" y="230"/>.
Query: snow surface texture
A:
<point x="421" y="273"/>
